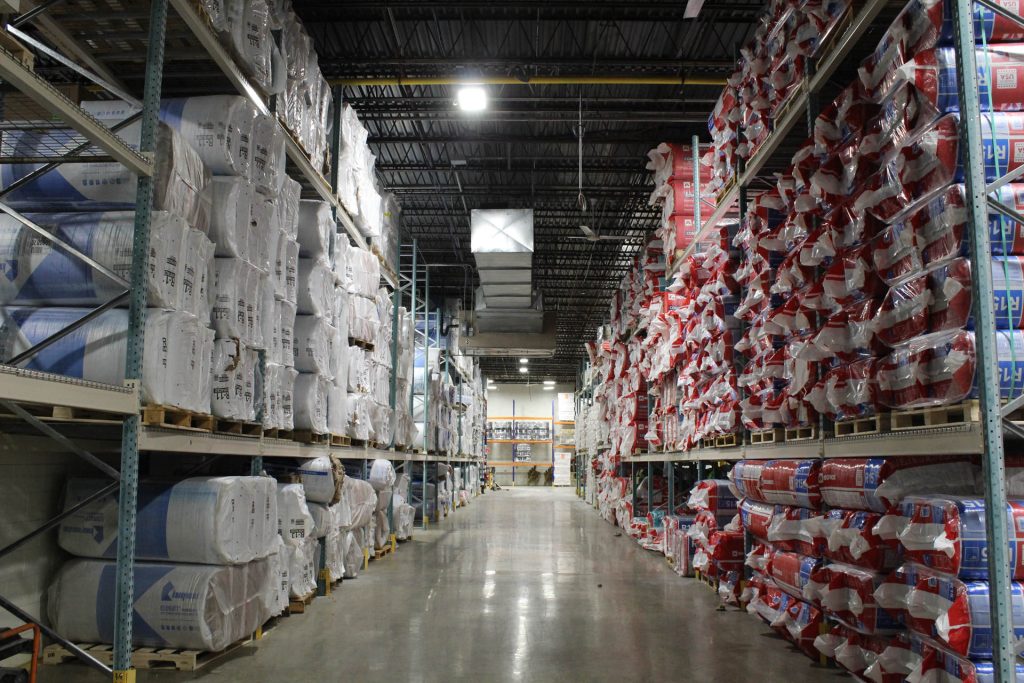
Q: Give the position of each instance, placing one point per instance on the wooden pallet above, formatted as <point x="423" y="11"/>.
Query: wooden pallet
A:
<point x="725" y="190"/>
<point x="765" y="436"/>
<point x="144" y="657"/>
<point x="809" y="433"/>
<point x="238" y="428"/>
<point x="359" y="443"/>
<point x="283" y="434"/>
<point x="66" y="414"/>
<point x="307" y="436"/>
<point x="340" y="440"/>
<point x="379" y="553"/>
<point x="876" y="424"/>
<point x="935" y="416"/>
<point x="360" y="343"/>
<point x="177" y="418"/>
<point x="726" y="441"/>
<point x="708" y="442"/>
<point x="298" y="605"/>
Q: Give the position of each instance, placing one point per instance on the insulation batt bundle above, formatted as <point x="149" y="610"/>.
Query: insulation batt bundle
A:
<point x="208" y="520"/>
<point x="192" y="606"/>
<point x="37" y="273"/>
<point x="295" y="521"/>
<point x="179" y="181"/>
<point x="176" y="358"/>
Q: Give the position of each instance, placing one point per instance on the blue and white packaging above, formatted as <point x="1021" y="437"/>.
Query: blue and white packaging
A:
<point x="191" y="606"/>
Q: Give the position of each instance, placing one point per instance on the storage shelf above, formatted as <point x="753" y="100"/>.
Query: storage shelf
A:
<point x="29" y="386"/>
<point x="964" y="439"/>
<point x="834" y="56"/>
<point x="519" y="441"/>
<point x="199" y="25"/>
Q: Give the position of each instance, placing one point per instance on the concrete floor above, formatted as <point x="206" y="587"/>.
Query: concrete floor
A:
<point x="522" y="585"/>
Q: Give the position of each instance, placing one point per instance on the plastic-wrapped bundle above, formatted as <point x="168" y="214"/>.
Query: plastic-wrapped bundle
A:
<point x="288" y="207"/>
<point x="404" y="514"/>
<point x="746" y="478"/>
<point x="263" y="233"/>
<point x="312" y="345"/>
<point x="275" y="600"/>
<point x="360" y="416"/>
<point x="295" y="521"/>
<point x="714" y="495"/>
<point x="792" y="571"/>
<point x="230" y="215"/>
<point x="851" y="650"/>
<point x="852" y="540"/>
<point x="315" y="288"/>
<point x="359" y="370"/>
<point x="233" y="380"/>
<point x="756" y="517"/>
<point x="879" y="484"/>
<point x="353" y="556"/>
<point x="286" y="328"/>
<point x="200" y="607"/>
<point x="952" y="612"/>
<point x="249" y="29"/>
<point x="791" y="482"/>
<point x="286" y="270"/>
<point x="239" y="295"/>
<point x="37" y="273"/>
<point x="316" y="225"/>
<point x="310" y="399"/>
<point x="278" y="388"/>
<point x="318" y="479"/>
<point x="176" y="359"/>
<point x="363" y="321"/>
<point x="334" y="554"/>
<point x="382" y="475"/>
<point x="846" y="593"/>
<point x="947" y="533"/>
<point x="218" y="127"/>
<point x="798" y="530"/>
<point x="363" y="273"/>
<point x="337" y="409"/>
<point x="179" y="181"/>
<point x="209" y="520"/>
<point x="268" y="160"/>
<point x="324" y="519"/>
<point x="937" y="664"/>
<point x="362" y="501"/>
<point x="302" y="559"/>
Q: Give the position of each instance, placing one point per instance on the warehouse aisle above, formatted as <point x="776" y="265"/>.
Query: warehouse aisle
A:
<point x="534" y="586"/>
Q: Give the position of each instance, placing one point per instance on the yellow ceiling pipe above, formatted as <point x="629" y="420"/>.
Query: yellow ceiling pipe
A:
<point x="533" y="80"/>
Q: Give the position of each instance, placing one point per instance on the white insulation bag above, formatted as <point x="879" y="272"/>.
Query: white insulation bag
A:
<point x="310" y="399"/>
<point x="316" y="224"/>
<point x="302" y="560"/>
<point x="362" y="500"/>
<point x="192" y="606"/>
<point x="317" y="476"/>
<point x="207" y="520"/>
<point x="312" y="344"/>
<point x="268" y="161"/>
<point x="337" y="410"/>
<point x="315" y="289"/>
<point x="295" y="521"/>
<point x="231" y="215"/>
<point x="382" y="475"/>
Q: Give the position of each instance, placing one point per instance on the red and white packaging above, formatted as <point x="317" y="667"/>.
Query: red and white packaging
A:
<point x="715" y="495"/>
<point x="851" y="650"/>
<point x="798" y="530"/>
<point x="746" y="479"/>
<point x="847" y="594"/>
<point x="790" y="482"/>
<point x="792" y="572"/>
<point x="894" y="663"/>
<point x="852" y="540"/>
<point x="756" y="517"/>
<point x="879" y="484"/>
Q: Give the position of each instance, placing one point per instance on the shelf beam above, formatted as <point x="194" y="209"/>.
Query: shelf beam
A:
<point x="41" y="388"/>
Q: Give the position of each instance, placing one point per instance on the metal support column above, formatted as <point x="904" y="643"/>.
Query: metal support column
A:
<point x="972" y="156"/>
<point x="128" y="502"/>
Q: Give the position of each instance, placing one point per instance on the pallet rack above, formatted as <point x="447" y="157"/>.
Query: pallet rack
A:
<point x="122" y="433"/>
<point x="982" y="433"/>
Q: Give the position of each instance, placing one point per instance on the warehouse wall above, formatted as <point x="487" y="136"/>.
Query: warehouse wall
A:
<point x="530" y="401"/>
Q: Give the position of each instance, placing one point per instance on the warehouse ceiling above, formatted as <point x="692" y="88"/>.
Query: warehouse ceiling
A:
<point x="522" y="151"/>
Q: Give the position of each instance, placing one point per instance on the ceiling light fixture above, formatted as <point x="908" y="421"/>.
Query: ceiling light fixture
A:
<point x="471" y="98"/>
<point x="524" y="361"/>
<point x="549" y="388"/>
<point x="524" y="370"/>
<point x="549" y="382"/>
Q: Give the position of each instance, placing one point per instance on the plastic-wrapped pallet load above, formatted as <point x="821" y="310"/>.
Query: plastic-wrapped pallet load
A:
<point x="231" y="215"/>
<point x="311" y="403"/>
<point x="295" y="521"/>
<point x="176" y="360"/>
<point x="321" y="480"/>
<point x="211" y="520"/>
<point x="302" y="560"/>
<point x="200" y="607"/>
<point x="337" y="410"/>
<point x="37" y="273"/>
<point x="234" y="395"/>
<point x="275" y="600"/>
<point x="218" y="127"/>
<point x="312" y="344"/>
<point x="179" y="181"/>
<point x="315" y="288"/>
<point x="316" y="225"/>
<point x="247" y="25"/>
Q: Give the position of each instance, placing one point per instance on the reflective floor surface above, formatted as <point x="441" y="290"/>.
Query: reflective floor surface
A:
<point x="521" y="585"/>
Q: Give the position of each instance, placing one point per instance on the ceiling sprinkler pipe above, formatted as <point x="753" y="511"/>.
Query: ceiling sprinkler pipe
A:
<point x="534" y="80"/>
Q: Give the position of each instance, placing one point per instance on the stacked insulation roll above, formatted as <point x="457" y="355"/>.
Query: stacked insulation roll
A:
<point x="208" y="569"/>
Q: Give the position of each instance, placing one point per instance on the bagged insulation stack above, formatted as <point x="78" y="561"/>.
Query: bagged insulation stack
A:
<point x="360" y="416"/>
<point x="879" y="484"/>
<point x="218" y="127"/>
<point x="295" y="521"/>
<point x="231" y="215"/>
<point x="312" y="344"/>
<point x="337" y="410"/>
<point x="208" y="520"/>
<point x="334" y="554"/>
<point x="286" y="328"/>
<point x="302" y="560"/>
<point x="311" y="407"/>
<point x="37" y="273"/>
<point x="264" y="229"/>
<point x="315" y="289"/>
<point x="324" y="520"/>
<point x="362" y="275"/>
<point x="268" y="161"/>
<point x="382" y="475"/>
<point x="233" y="382"/>
<point x="238" y="291"/>
<point x="176" y="359"/>
<point x="248" y="25"/>
<point x="316" y="225"/>
<point x="286" y="270"/>
<point x="363" y="321"/>
<point x="288" y="207"/>
<point x="353" y="556"/>
<point x="318" y="479"/>
<point x="275" y="600"/>
<point x="199" y="607"/>
<point x="362" y="501"/>
<point x="179" y="181"/>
